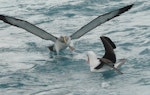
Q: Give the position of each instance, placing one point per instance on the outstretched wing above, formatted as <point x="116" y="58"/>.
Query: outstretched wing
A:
<point x="109" y="49"/>
<point x="98" y="21"/>
<point x="28" y="27"/>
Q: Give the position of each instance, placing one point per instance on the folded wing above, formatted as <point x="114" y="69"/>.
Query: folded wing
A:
<point x="98" y="21"/>
<point x="28" y="27"/>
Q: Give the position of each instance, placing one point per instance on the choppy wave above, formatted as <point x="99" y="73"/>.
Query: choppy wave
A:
<point x="28" y="69"/>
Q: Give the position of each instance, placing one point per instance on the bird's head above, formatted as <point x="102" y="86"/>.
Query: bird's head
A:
<point x="91" y="57"/>
<point x="64" y="39"/>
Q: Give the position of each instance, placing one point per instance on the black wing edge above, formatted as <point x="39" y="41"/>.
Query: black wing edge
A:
<point x="121" y="10"/>
<point x="3" y="18"/>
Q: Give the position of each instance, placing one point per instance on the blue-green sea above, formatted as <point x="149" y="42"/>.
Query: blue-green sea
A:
<point x="26" y="65"/>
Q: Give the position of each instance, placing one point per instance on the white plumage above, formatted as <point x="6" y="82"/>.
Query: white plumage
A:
<point x="94" y="62"/>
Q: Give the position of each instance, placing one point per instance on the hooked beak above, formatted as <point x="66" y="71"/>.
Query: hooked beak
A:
<point x="64" y="38"/>
<point x="65" y="41"/>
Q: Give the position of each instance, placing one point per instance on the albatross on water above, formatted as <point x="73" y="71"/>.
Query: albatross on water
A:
<point x="108" y="61"/>
<point x="63" y="41"/>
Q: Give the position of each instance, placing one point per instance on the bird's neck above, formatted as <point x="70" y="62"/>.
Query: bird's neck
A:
<point x="94" y="62"/>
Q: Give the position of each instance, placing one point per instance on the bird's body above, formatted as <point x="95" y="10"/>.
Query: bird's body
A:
<point x="60" y="44"/>
<point x="108" y="61"/>
<point x="94" y="62"/>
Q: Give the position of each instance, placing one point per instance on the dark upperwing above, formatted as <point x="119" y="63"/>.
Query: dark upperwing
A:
<point x="109" y="48"/>
<point x="109" y="57"/>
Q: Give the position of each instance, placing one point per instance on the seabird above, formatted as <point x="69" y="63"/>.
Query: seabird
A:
<point x="108" y="61"/>
<point x="64" y="41"/>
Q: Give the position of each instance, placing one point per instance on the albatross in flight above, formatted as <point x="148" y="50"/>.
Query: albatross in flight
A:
<point x="63" y="41"/>
<point x="107" y="61"/>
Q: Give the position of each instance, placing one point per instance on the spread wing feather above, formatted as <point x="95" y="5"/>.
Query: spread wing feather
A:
<point x="98" y="21"/>
<point x="28" y="27"/>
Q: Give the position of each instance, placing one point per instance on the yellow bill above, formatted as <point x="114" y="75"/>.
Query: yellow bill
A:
<point x="65" y="40"/>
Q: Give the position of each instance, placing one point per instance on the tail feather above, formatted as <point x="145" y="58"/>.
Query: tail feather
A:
<point x="51" y="48"/>
<point x="120" y="63"/>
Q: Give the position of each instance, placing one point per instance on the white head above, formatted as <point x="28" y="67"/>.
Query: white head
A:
<point x="92" y="59"/>
<point x="65" y="39"/>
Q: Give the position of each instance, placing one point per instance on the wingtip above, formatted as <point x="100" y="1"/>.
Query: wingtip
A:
<point x="107" y="39"/>
<point x="2" y="17"/>
<point x="129" y="6"/>
<point x="126" y="8"/>
<point x="101" y="37"/>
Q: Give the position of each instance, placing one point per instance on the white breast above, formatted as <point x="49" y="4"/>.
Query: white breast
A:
<point x="61" y="45"/>
<point x="92" y="59"/>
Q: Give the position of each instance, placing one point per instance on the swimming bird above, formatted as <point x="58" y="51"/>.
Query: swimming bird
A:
<point x="63" y="42"/>
<point x="107" y="61"/>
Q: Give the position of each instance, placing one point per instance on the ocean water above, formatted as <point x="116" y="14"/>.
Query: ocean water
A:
<point x="26" y="66"/>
